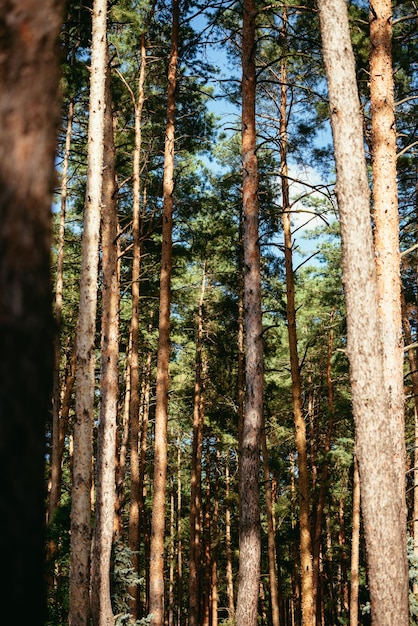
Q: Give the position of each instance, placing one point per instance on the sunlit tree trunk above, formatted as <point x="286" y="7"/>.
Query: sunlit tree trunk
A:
<point x="135" y="492"/>
<point x="101" y="605"/>
<point x="29" y="116"/>
<point x="308" y="613"/>
<point x="156" y="591"/>
<point x="122" y="447"/>
<point x="386" y="229"/>
<point x="383" y="501"/>
<point x="85" y="344"/>
<point x="249" y="541"/>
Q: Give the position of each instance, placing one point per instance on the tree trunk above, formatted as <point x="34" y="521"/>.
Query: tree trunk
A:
<point x="308" y="613"/>
<point x="383" y="503"/>
<point x="101" y="605"/>
<point x="156" y="593"/>
<point x="196" y="470"/>
<point x="206" y="595"/>
<point x="55" y="471"/>
<point x="325" y="471"/>
<point x="135" y="494"/>
<point x="85" y="360"/>
<point x="249" y="488"/>
<point x="171" y="560"/>
<point x="355" y="548"/>
<point x="229" y="576"/>
<point x="29" y="116"/>
<point x="215" y="543"/>
<point x="386" y="229"/>
<point x="179" y="540"/>
<point x="122" y="449"/>
<point x="275" y="612"/>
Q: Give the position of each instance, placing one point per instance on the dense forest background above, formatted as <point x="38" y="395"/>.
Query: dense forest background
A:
<point x="173" y="90"/>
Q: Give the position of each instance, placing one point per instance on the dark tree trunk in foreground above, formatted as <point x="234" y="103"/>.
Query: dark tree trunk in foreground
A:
<point x="383" y="503"/>
<point x="156" y="572"/>
<point x="249" y="487"/>
<point x="28" y="123"/>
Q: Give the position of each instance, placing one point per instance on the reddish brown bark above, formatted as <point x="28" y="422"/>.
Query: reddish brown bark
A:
<point x="196" y="469"/>
<point x="135" y="492"/>
<point x="101" y="605"/>
<point x="386" y="230"/>
<point x="28" y="122"/>
<point x="308" y="613"/>
<point x="156" y="589"/>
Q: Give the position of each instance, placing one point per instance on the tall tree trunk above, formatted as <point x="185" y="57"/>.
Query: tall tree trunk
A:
<point x="308" y="613"/>
<point x="249" y="488"/>
<point x="101" y="605"/>
<point x="135" y="494"/>
<point x="171" y="560"/>
<point x="386" y="230"/>
<point x="215" y="543"/>
<point x="275" y="612"/>
<point x="206" y="595"/>
<point x="28" y="123"/>
<point x="196" y="469"/>
<point x="355" y="547"/>
<point x="55" y="471"/>
<point x="122" y="448"/>
<point x="179" y="540"/>
<point x="229" y="576"/>
<point x="383" y="503"/>
<point x="156" y="592"/>
<point x="85" y="359"/>
<point x="240" y="342"/>
<point x="325" y="471"/>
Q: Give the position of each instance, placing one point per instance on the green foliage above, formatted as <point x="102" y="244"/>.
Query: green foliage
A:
<point x="123" y="577"/>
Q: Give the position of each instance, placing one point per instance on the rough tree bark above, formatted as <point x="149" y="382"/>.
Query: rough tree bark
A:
<point x="134" y="400"/>
<point x="101" y="605"/>
<point x="383" y="503"/>
<point x="85" y="349"/>
<point x="29" y="115"/>
<point x="156" y="572"/>
<point x="249" y="488"/>
<point x="386" y="227"/>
